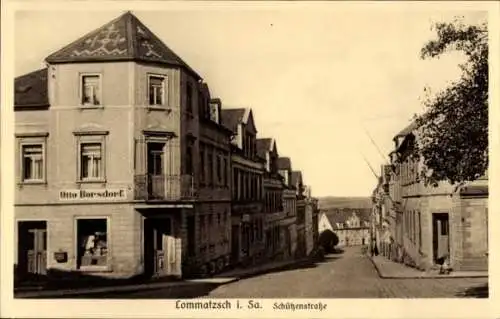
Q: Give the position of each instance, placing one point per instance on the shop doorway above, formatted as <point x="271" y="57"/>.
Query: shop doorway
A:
<point x="159" y="247"/>
<point x="32" y="247"/>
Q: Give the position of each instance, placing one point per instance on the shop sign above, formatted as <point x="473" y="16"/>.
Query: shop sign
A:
<point x="92" y="194"/>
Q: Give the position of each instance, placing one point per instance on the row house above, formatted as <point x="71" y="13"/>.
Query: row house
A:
<point x="301" y="203"/>
<point x="383" y="223"/>
<point x="123" y="165"/>
<point x="288" y="234"/>
<point x="273" y="198"/>
<point x="432" y="223"/>
<point x="310" y="221"/>
<point x="247" y="220"/>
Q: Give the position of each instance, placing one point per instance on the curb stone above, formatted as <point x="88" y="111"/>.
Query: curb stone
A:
<point x="144" y="287"/>
<point x="423" y="276"/>
<point x="219" y="281"/>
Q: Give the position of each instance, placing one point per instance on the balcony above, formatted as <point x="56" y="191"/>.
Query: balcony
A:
<point x="164" y="187"/>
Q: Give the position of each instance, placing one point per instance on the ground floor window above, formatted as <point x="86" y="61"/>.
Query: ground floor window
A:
<point x="92" y="237"/>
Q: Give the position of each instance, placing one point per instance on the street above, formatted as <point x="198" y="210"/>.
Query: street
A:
<point x="346" y="275"/>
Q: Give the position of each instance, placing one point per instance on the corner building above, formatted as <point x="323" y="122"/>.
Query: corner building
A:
<point x="123" y="166"/>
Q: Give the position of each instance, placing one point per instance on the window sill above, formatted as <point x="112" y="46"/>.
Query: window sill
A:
<point x="32" y="182"/>
<point x="92" y="181"/>
<point x="95" y="269"/>
<point x="91" y="106"/>
<point x="158" y="108"/>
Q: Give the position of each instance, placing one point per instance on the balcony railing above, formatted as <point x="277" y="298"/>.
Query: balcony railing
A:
<point x="164" y="187"/>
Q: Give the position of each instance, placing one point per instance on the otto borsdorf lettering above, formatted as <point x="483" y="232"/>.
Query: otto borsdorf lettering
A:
<point x="85" y="194"/>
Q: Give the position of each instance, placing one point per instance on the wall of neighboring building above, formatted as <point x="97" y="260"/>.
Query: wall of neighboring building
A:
<point x="472" y="233"/>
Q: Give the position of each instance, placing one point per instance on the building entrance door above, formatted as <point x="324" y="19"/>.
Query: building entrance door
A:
<point x="159" y="247"/>
<point x="440" y="238"/>
<point x="32" y="247"/>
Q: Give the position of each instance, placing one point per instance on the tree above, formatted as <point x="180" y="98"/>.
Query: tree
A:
<point x="328" y="240"/>
<point x="454" y="129"/>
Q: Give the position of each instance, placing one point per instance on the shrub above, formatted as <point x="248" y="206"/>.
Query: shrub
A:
<point x="328" y="240"/>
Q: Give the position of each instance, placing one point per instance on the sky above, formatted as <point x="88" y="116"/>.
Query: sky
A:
<point x="323" y="82"/>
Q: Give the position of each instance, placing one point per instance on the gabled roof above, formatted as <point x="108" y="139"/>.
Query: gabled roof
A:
<point x="297" y="177"/>
<point x="125" y="39"/>
<point x="31" y="89"/>
<point x="264" y="145"/>
<point x="342" y="215"/>
<point x="232" y="117"/>
<point x="407" y="130"/>
<point x="412" y="126"/>
<point x="284" y="163"/>
<point x="249" y="121"/>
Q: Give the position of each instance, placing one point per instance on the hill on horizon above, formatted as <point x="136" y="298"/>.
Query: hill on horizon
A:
<point x="356" y="202"/>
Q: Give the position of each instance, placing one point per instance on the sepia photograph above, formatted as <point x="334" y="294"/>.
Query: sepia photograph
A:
<point x="245" y="152"/>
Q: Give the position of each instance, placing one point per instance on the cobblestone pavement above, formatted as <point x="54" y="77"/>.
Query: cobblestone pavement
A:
<point x="349" y="275"/>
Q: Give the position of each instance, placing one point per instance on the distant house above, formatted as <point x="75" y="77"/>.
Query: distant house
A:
<point x="352" y="226"/>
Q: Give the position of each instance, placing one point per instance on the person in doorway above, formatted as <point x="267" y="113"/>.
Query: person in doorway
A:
<point x="445" y="267"/>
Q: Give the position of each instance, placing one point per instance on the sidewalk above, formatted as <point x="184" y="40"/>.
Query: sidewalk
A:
<point x="388" y="269"/>
<point x="220" y="279"/>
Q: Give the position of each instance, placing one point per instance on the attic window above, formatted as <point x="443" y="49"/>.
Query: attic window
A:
<point x="91" y="89"/>
<point x="214" y="112"/>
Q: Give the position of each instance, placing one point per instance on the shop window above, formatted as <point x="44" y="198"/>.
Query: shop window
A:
<point x="91" y="89"/>
<point x="157" y="91"/>
<point x="93" y="249"/>
<point x="32" y="163"/>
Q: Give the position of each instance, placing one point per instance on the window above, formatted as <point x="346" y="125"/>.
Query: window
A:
<point x="91" y="164"/>
<point x="189" y="160"/>
<point x="157" y="90"/>
<point x="201" y="104"/>
<point x="189" y="98"/>
<point x="202" y="163"/>
<point x="419" y="225"/>
<point x="90" y="89"/>
<point x="210" y="167"/>
<point x="32" y="163"/>
<point x="235" y="183"/>
<point x="202" y="229"/>
<point x="219" y="169"/>
<point x="224" y="171"/>
<point x="92" y="240"/>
